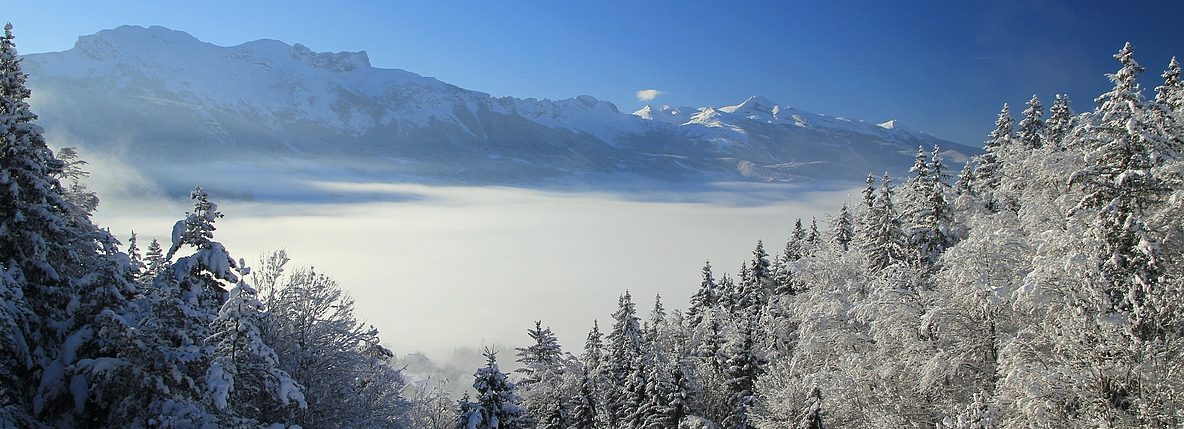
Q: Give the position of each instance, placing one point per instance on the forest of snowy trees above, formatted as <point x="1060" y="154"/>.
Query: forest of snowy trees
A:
<point x="1040" y="288"/>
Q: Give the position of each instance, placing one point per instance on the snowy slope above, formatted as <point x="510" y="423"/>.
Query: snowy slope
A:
<point x="151" y="94"/>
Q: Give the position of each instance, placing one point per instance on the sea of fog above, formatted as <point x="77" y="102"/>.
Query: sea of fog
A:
<point x="437" y="268"/>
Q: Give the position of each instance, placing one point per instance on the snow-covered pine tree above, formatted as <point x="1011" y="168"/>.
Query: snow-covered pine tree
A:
<point x="884" y="239"/>
<point x="73" y="176"/>
<point x="496" y="405"/>
<point x="244" y="378"/>
<point x="813" y="238"/>
<point x="1060" y="122"/>
<point x="988" y="170"/>
<point x="966" y="180"/>
<point x="540" y="357"/>
<point x="62" y="279"/>
<point x="728" y="293"/>
<point x="920" y="168"/>
<point x="593" y="349"/>
<point x="744" y="365"/>
<point x="625" y="348"/>
<point x="541" y="384"/>
<point x="34" y="232"/>
<point x="710" y="339"/>
<point x="1171" y="93"/>
<point x="468" y="414"/>
<point x="704" y="299"/>
<point x="843" y="228"/>
<point x="678" y="399"/>
<point x="794" y="246"/>
<point x="655" y="327"/>
<point x="636" y="405"/>
<point x="135" y="259"/>
<point x="931" y="216"/>
<point x="1168" y="112"/>
<point x="757" y="287"/>
<point x="1121" y="183"/>
<point x="584" y="408"/>
<point x="1031" y="130"/>
<point x="178" y="311"/>
<point x="154" y="262"/>
<point x="783" y="283"/>
<point x="869" y="192"/>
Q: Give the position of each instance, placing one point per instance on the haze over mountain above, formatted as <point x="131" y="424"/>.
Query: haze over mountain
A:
<point x="181" y="110"/>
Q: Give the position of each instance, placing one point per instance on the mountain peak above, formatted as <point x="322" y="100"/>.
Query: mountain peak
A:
<point x="646" y="112"/>
<point x="125" y="34"/>
<point x="332" y="61"/>
<point x="754" y="103"/>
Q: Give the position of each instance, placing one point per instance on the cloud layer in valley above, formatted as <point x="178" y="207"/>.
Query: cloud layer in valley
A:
<point x="466" y="266"/>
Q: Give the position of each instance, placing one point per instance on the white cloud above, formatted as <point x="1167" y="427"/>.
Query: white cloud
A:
<point x="647" y="95"/>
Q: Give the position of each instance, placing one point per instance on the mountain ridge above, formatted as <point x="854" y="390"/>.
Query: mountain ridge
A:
<point x="171" y="95"/>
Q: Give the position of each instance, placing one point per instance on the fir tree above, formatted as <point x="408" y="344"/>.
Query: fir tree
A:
<point x="678" y="399"/>
<point x="1120" y="180"/>
<point x="244" y="377"/>
<point x="1171" y="93"/>
<point x="813" y="237"/>
<point x="72" y="175"/>
<point x="759" y="266"/>
<point x="843" y="228"/>
<point x="1032" y="128"/>
<point x="988" y="172"/>
<point x="795" y="245"/>
<point x="496" y="405"/>
<point x="966" y="180"/>
<point x="136" y="261"/>
<point x="584" y="408"/>
<point x="62" y="279"/>
<point x="931" y="219"/>
<point x="728" y="295"/>
<point x="154" y="262"/>
<point x="883" y="240"/>
<point x="869" y="192"/>
<point x="744" y="365"/>
<point x="937" y="168"/>
<point x="539" y="357"/>
<point x="593" y="348"/>
<point x="1060" y="122"/>
<point x="783" y="282"/>
<point x="655" y="327"/>
<point x="920" y="168"/>
<point x="705" y="298"/>
<point x="624" y="352"/>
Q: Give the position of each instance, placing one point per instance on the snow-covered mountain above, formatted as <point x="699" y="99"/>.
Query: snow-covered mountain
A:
<point x="155" y="95"/>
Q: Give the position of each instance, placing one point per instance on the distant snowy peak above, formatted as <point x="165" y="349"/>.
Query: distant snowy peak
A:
<point x="764" y="110"/>
<point x="665" y="114"/>
<point x="753" y="105"/>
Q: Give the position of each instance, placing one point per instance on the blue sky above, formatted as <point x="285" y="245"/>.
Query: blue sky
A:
<point x="943" y="67"/>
